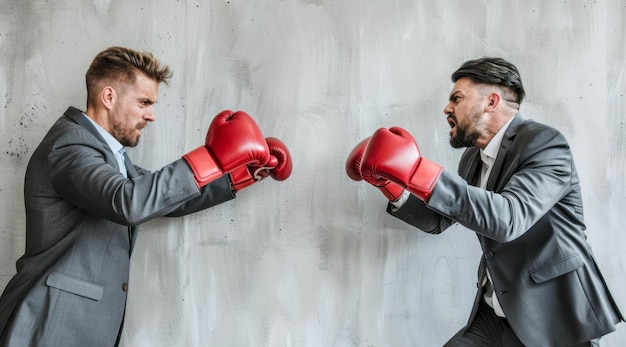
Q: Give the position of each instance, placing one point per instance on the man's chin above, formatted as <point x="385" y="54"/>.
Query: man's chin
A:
<point x="455" y="142"/>
<point x="130" y="142"/>
<point x="456" y="145"/>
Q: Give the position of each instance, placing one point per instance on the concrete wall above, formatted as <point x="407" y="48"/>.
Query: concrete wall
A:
<point x="315" y="260"/>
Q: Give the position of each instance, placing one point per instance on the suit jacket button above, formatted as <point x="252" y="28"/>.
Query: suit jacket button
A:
<point x="488" y="255"/>
<point x="125" y="286"/>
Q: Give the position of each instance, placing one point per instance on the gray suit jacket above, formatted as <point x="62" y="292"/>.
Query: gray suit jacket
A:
<point x="81" y="223"/>
<point x="529" y="222"/>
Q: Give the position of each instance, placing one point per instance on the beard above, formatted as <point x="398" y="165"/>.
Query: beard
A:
<point x="130" y="141"/>
<point x="126" y="137"/>
<point x="462" y="138"/>
<point x="468" y="132"/>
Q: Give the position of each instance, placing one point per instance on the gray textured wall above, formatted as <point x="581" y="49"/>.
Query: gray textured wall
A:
<point x="315" y="260"/>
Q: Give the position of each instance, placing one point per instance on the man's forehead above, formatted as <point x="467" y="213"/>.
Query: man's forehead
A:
<point x="146" y="87"/>
<point x="462" y="85"/>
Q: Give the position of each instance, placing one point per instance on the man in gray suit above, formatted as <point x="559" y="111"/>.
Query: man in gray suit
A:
<point x="84" y="200"/>
<point x="517" y="188"/>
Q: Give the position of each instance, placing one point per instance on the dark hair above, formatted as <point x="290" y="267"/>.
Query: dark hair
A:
<point x="489" y="70"/>
<point x="119" y="63"/>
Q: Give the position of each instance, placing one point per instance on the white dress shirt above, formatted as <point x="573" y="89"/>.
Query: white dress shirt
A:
<point x="488" y="156"/>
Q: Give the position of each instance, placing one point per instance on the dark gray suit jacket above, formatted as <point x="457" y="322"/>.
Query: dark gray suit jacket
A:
<point x="81" y="223"/>
<point x="529" y="222"/>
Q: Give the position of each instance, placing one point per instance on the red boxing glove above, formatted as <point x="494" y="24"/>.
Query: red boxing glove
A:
<point x="233" y="140"/>
<point x="279" y="167"/>
<point x="392" y="154"/>
<point x="391" y="190"/>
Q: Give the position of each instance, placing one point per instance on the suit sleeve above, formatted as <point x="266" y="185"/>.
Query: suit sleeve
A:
<point x="537" y="175"/>
<point x="212" y="194"/>
<point x="83" y="173"/>
<point x="417" y="214"/>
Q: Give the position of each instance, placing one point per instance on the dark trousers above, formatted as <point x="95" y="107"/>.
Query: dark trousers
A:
<point x="489" y="330"/>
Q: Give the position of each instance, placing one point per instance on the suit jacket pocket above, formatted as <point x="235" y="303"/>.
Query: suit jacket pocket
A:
<point x="557" y="269"/>
<point x="75" y="286"/>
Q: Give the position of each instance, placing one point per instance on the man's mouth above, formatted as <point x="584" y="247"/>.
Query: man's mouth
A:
<point x="140" y="131"/>
<point x="141" y="127"/>
<point x="451" y="122"/>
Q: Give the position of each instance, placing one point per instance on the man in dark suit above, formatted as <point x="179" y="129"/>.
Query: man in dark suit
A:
<point x="518" y="189"/>
<point x="84" y="200"/>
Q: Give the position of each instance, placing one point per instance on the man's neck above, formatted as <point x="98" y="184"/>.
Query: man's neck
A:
<point x="497" y="121"/>
<point x="98" y="116"/>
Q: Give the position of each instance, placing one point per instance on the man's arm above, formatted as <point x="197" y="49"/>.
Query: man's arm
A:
<point x="537" y="174"/>
<point x="82" y="176"/>
<point x="214" y="193"/>
<point x="417" y="214"/>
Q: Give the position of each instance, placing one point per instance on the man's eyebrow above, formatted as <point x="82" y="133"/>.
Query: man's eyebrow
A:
<point x="148" y="100"/>
<point x="453" y="95"/>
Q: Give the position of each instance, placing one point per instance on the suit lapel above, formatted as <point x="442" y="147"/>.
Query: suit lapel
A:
<point x="470" y="166"/>
<point x="511" y="131"/>
<point x="130" y="167"/>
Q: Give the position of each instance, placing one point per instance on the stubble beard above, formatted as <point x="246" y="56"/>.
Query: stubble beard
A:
<point x="125" y="137"/>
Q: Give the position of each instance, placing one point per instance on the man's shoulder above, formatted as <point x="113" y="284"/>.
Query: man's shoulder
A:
<point x="67" y="131"/>
<point x="65" y="126"/>
<point x="530" y="127"/>
<point x="533" y="136"/>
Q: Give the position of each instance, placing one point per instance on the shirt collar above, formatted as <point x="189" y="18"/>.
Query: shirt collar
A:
<point x="113" y="143"/>
<point x="490" y="152"/>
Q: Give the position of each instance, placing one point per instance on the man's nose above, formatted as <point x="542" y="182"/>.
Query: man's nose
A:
<point x="149" y="115"/>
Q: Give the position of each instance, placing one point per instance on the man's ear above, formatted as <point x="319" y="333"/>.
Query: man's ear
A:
<point x="108" y="96"/>
<point x="493" y="100"/>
